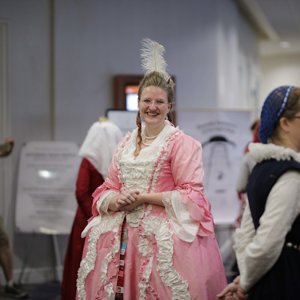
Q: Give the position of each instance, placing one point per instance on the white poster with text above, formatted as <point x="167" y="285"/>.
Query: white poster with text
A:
<point x="224" y="136"/>
<point x="46" y="187"/>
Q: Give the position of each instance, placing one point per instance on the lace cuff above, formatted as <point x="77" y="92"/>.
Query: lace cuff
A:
<point x="104" y="200"/>
<point x="184" y="227"/>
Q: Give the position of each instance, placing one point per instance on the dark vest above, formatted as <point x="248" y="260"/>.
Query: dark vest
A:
<point x="261" y="181"/>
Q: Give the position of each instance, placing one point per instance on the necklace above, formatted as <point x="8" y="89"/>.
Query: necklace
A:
<point x="146" y="137"/>
<point x="150" y="137"/>
<point x="146" y="144"/>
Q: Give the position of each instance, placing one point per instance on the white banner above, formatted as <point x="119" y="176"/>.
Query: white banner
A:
<point x="223" y="135"/>
<point x="46" y="187"/>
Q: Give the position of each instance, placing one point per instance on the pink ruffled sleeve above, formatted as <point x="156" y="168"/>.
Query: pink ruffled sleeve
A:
<point x="187" y="170"/>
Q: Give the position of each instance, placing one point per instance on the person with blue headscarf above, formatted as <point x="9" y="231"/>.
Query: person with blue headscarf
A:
<point x="267" y="244"/>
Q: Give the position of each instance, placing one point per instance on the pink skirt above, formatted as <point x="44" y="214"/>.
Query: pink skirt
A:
<point x="157" y="266"/>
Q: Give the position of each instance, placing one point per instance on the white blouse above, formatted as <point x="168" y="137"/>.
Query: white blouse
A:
<point x="258" y="251"/>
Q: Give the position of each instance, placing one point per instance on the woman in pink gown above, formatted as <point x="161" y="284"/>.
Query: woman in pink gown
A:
<point x="152" y="232"/>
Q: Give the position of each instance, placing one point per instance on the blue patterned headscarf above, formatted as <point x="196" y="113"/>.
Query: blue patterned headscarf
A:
<point x="272" y="110"/>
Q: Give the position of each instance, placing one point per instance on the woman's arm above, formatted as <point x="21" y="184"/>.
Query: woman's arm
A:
<point x="111" y="187"/>
<point x="243" y="236"/>
<point x="187" y="204"/>
<point x="152" y="198"/>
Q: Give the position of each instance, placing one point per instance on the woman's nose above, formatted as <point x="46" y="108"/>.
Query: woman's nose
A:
<point x="152" y="105"/>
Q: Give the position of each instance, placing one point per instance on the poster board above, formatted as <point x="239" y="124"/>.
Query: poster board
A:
<point x="46" y="187"/>
<point x="125" y="120"/>
<point x="224" y="135"/>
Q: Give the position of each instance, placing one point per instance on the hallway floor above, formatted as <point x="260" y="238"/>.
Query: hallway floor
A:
<point x="44" y="291"/>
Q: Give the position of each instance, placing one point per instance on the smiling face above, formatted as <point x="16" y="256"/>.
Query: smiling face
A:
<point x="154" y="106"/>
<point x="155" y="97"/>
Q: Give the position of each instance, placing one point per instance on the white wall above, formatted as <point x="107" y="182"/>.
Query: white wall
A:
<point x="279" y="70"/>
<point x="238" y="60"/>
<point x="28" y="107"/>
<point x="249" y="68"/>
<point x="94" y="40"/>
<point x="227" y="54"/>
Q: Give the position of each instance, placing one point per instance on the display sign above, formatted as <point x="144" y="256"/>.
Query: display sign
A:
<point x="46" y="187"/>
<point x="224" y="136"/>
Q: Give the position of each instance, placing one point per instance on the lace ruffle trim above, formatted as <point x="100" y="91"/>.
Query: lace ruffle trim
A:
<point x="108" y="223"/>
<point x="119" y="152"/>
<point x="161" y="159"/>
<point x="145" y="249"/>
<point x="103" y="203"/>
<point x="160" y="229"/>
<point x="184" y="227"/>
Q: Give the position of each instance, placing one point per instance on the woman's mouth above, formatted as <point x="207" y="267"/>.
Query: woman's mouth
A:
<point x="151" y="114"/>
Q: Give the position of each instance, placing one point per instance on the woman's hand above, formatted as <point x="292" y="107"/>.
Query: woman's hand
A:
<point x="122" y="200"/>
<point x="233" y="291"/>
<point x="149" y="198"/>
<point x="138" y="201"/>
<point x="228" y="292"/>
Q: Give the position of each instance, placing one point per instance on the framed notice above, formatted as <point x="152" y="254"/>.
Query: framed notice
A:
<point x="46" y="187"/>
<point x="223" y="135"/>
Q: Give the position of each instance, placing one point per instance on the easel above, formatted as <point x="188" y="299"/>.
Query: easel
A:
<point x="57" y="276"/>
<point x="57" y="260"/>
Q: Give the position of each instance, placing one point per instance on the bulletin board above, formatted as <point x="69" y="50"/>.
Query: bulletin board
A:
<point x="46" y="187"/>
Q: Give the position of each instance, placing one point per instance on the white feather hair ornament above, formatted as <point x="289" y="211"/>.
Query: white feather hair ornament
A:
<point x="152" y="55"/>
